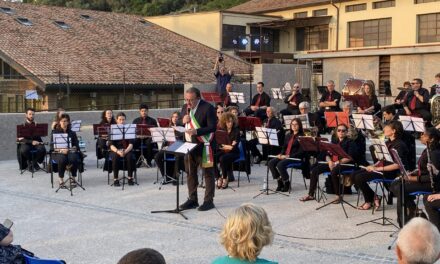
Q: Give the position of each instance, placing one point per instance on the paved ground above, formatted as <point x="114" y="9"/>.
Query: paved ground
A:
<point x="101" y="224"/>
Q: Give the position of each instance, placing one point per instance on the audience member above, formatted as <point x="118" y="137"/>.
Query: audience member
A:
<point x="142" y="256"/>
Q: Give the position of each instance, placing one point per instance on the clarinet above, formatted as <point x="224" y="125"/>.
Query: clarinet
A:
<point x="430" y="172"/>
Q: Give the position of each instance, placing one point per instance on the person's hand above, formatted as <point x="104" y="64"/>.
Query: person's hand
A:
<point x="7" y="240"/>
<point x="282" y="157"/>
<point x="279" y="156"/>
<point x="293" y="103"/>
<point x="64" y="151"/>
<point x="120" y="153"/>
<point x="186" y="119"/>
<point x="20" y="138"/>
<point x="331" y="165"/>
<point x="227" y="147"/>
<point x="370" y="168"/>
<point x="416" y="93"/>
<point x="407" y="111"/>
<point x="191" y="132"/>
<point x="254" y="107"/>
<point x="34" y="142"/>
<point x="433" y="197"/>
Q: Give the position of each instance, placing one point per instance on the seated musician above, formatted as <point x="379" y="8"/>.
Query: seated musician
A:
<point x="291" y="149"/>
<point x="160" y="156"/>
<point x="122" y="149"/>
<point x="314" y="120"/>
<point x="417" y="101"/>
<point x="101" y="143"/>
<point x="373" y="103"/>
<point x="394" y="132"/>
<point x="273" y="122"/>
<point x="293" y="99"/>
<point x="66" y="156"/>
<point x="228" y="153"/>
<point x="330" y="99"/>
<point x="56" y="119"/>
<point x="144" y="119"/>
<point x="435" y="89"/>
<point x="355" y="135"/>
<point x="259" y="103"/>
<point x="401" y="97"/>
<point x="234" y="110"/>
<point x="421" y="179"/>
<point x="227" y="100"/>
<point x="219" y="110"/>
<point x="25" y="157"/>
<point x="333" y="164"/>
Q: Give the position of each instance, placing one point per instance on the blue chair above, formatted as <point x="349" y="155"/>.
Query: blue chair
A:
<point x="241" y="158"/>
<point x="34" y="260"/>
<point x="417" y="195"/>
<point x="297" y="166"/>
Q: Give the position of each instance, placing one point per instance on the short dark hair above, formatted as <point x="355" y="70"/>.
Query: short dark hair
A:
<point x="419" y="81"/>
<point x="261" y="83"/>
<point x="142" y="256"/>
<point x="437" y="75"/>
<point x="143" y="106"/>
<point x="30" y="109"/>
<point x="389" y="109"/>
<point x="121" y="114"/>
<point x="194" y="90"/>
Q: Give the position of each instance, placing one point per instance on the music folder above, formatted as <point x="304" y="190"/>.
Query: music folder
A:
<point x="222" y="137"/>
<point x="334" y="149"/>
<point x="180" y="148"/>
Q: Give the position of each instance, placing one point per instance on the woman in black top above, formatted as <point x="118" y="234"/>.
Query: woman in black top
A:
<point x="56" y="119"/>
<point x="291" y="149"/>
<point x="66" y="156"/>
<point x="107" y="119"/>
<point x="373" y="103"/>
<point x="228" y="153"/>
<point x="393" y="131"/>
<point x="334" y="164"/>
<point x="122" y="149"/>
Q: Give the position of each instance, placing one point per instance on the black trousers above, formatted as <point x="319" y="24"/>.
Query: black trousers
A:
<point x="432" y="208"/>
<point x="101" y="148"/>
<point x="361" y="178"/>
<point x="252" y="146"/>
<point x="318" y="169"/>
<point x="192" y="163"/>
<point x="290" y="111"/>
<point x="26" y="154"/>
<point x="260" y="113"/>
<point x="278" y="168"/>
<point x="170" y="169"/>
<point x="125" y="163"/>
<point x="226" y="164"/>
<point x="410" y="187"/>
<point x="62" y="161"/>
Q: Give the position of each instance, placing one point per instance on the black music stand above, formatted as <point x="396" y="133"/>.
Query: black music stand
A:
<point x="336" y="149"/>
<point x="178" y="149"/>
<point x="31" y="131"/>
<point x="163" y="135"/>
<point x="142" y="132"/>
<point x="267" y="136"/>
<point x="123" y="132"/>
<point x="237" y="98"/>
<point x="276" y="93"/>
<point x="63" y="141"/>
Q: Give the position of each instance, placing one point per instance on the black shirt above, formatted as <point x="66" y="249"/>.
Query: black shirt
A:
<point x="296" y="150"/>
<point x="146" y="121"/>
<point x="330" y="97"/>
<point x="419" y="105"/>
<point x="264" y="100"/>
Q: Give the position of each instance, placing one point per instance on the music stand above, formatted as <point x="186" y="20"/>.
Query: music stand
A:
<point x="123" y="132"/>
<point x="382" y="154"/>
<point x="178" y="149"/>
<point x="410" y="123"/>
<point x="336" y="149"/>
<point x="142" y="132"/>
<point x="31" y="131"/>
<point x="363" y="121"/>
<point x="334" y="119"/>
<point x="237" y="97"/>
<point x="267" y="136"/>
<point x="163" y="135"/>
<point x="276" y="93"/>
<point x="76" y="126"/>
<point x="163" y="122"/>
<point x="304" y="120"/>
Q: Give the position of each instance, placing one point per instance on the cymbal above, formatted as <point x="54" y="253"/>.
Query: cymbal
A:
<point x="403" y="88"/>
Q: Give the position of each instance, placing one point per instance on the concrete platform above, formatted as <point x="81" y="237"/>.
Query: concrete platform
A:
<point x="103" y="223"/>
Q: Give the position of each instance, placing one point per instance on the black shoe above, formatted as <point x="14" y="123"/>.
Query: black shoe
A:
<point x="390" y="199"/>
<point x="257" y="160"/>
<point x="130" y="181"/>
<point x="36" y="167"/>
<point x="189" y="204"/>
<point x="280" y="186"/>
<point x="116" y="183"/>
<point x="286" y="186"/>
<point x="206" y="206"/>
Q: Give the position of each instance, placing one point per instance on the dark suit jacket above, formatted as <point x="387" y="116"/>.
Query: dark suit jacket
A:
<point x="149" y="121"/>
<point x="264" y="101"/>
<point x="419" y="105"/>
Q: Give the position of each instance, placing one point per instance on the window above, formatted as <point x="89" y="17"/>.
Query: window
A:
<point x="269" y="40"/>
<point x="425" y="1"/>
<point x="429" y="28"/>
<point x="7" y="10"/>
<point x="86" y="17"/>
<point x="231" y="33"/>
<point x="369" y="33"/>
<point x="384" y="4"/>
<point x="312" y="38"/>
<point x="354" y="8"/>
<point x="300" y="15"/>
<point x="62" y="24"/>
<point x="320" y="12"/>
<point x="24" y="21"/>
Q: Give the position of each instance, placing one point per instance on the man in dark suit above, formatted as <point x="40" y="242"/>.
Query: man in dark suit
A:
<point x="417" y="101"/>
<point x="199" y="118"/>
<point x="144" y="119"/>
<point x="293" y="99"/>
<point x="259" y="103"/>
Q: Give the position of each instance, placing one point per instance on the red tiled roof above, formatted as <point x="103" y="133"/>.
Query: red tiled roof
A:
<point x="101" y="49"/>
<point x="261" y="6"/>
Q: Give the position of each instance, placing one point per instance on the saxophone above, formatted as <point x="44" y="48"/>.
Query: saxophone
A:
<point x="435" y="109"/>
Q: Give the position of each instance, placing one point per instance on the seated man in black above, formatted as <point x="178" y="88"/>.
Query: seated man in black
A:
<point x="122" y="149"/>
<point x="31" y="151"/>
<point x="293" y="99"/>
<point x="417" y="101"/>
<point x="147" y="144"/>
<point x="259" y="103"/>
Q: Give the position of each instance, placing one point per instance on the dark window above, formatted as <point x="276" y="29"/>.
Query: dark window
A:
<point x="86" y="17"/>
<point x="369" y="33"/>
<point x="320" y="12"/>
<point x="425" y="1"/>
<point x="353" y="8"/>
<point x="62" y="24"/>
<point x="300" y="15"/>
<point x="232" y="33"/>
<point x="384" y="4"/>
<point x="7" y="10"/>
<point x="312" y="38"/>
<point x="429" y="28"/>
<point x="268" y="40"/>
<point x="24" y="21"/>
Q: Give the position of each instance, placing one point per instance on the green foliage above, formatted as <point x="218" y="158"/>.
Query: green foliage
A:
<point x="143" y="7"/>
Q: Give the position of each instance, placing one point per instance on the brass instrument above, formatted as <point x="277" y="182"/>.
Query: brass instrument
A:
<point x="435" y="109"/>
<point x="353" y="86"/>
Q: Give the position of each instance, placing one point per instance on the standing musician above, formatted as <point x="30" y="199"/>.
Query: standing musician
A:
<point x="293" y="99"/>
<point x="330" y="99"/>
<point x="122" y="149"/>
<point x="26" y="145"/>
<point x="333" y="165"/>
<point x="417" y="101"/>
<point x="66" y="156"/>
<point x="373" y="103"/>
<point x="199" y="118"/>
<point x="259" y="103"/>
<point x="394" y="132"/>
<point x="291" y="149"/>
<point x="421" y="179"/>
<point x="227" y="100"/>
<point x="435" y="89"/>
<point x="107" y="119"/>
<point x="228" y="153"/>
<point x="144" y="119"/>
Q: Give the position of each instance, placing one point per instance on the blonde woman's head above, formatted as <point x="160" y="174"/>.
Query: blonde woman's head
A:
<point x="246" y="231"/>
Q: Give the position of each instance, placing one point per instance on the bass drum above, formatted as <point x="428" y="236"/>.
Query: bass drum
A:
<point x="435" y="109"/>
<point x="353" y="86"/>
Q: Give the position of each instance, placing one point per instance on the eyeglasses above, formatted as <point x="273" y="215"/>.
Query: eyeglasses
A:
<point x="342" y="130"/>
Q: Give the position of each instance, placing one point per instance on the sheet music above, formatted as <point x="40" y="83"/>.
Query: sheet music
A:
<point x="180" y="129"/>
<point x="126" y="131"/>
<point x="287" y="87"/>
<point x="287" y="120"/>
<point x="363" y="121"/>
<point x="276" y="93"/>
<point x="76" y="125"/>
<point x="410" y="123"/>
<point x="304" y="120"/>
<point x="186" y="147"/>
<point x="158" y="134"/>
<point x="267" y="136"/>
<point x="60" y="141"/>
<point x="381" y="150"/>
<point x="237" y="97"/>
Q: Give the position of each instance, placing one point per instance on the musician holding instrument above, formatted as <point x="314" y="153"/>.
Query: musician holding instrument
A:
<point x="291" y="149"/>
<point x="314" y="120"/>
<point x="330" y="99"/>
<point x="122" y="149"/>
<point x="107" y="119"/>
<point x="435" y="89"/>
<point x="401" y="97"/>
<point x="382" y="169"/>
<point x="293" y="99"/>
<point x="421" y="179"/>
<point x="373" y="103"/>
<point x="417" y="101"/>
<point x="144" y="119"/>
<point x="259" y="103"/>
<point x="66" y="156"/>
<point x="26" y="145"/>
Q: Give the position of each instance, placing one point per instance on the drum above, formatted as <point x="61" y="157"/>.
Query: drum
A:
<point x="353" y="86"/>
